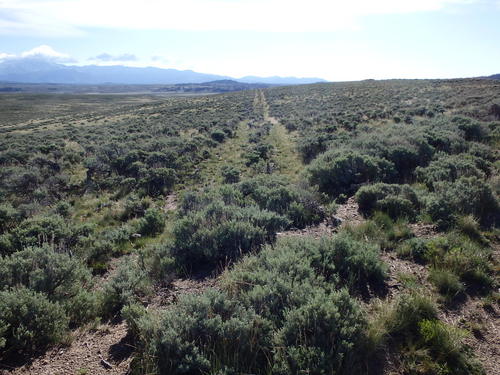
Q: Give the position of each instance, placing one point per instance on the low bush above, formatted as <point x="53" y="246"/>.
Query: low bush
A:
<point x="29" y="321"/>
<point x="445" y="344"/>
<point x="320" y="337"/>
<point x="276" y="194"/>
<point x="209" y="333"/>
<point x="59" y="277"/>
<point x="128" y="284"/>
<point x="230" y="174"/>
<point x="465" y="196"/>
<point x="410" y="330"/>
<point x="447" y="283"/>
<point x="397" y="201"/>
<point x="9" y="217"/>
<point x="450" y="168"/>
<point x="152" y="223"/>
<point x="338" y="173"/>
<point x="134" y="207"/>
<point x="293" y="268"/>
<point x="465" y="258"/>
<point x="414" y="249"/>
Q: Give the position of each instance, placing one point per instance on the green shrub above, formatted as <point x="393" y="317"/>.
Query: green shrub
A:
<point x="128" y="283"/>
<point x="159" y="262"/>
<point x="158" y="181"/>
<point x="39" y="230"/>
<point x="276" y="194"/>
<point x="466" y="196"/>
<point x="198" y="242"/>
<point x="29" y="321"/>
<point x="447" y="283"/>
<point x="230" y="174"/>
<point x="152" y="223"/>
<point x="408" y="328"/>
<point x="467" y="259"/>
<point x="472" y="130"/>
<point x="135" y="207"/>
<point x="218" y="135"/>
<point x="321" y="336"/>
<point x="397" y="201"/>
<point x="288" y="273"/>
<point x="208" y="333"/>
<point x="409" y="311"/>
<point x="414" y="249"/>
<point x="63" y="208"/>
<point x="469" y="226"/>
<point x="381" y="230"/>
<point x="450" y="168"/>
<point x="59" y="277"/>
<point x="338" y="173"/>
<point x="9" y="217"/>
<point x="445" y="343"/>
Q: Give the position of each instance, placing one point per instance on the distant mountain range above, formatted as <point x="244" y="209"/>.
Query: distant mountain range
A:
<point x="494" y="76"/>
<point x="38" y="70"/>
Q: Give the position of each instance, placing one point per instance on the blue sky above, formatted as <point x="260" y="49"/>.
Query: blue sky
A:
<point x="331" y="39"/>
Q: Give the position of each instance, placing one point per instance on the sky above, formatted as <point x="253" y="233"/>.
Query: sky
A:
<point x="330" y="39"/>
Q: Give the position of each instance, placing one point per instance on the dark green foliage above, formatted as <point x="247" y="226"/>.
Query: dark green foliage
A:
<point x="152" y="223"/>
<point x="29" y="321"/>
<point x="290" y="307"/>
<point x="44" y="270"/>
<point x="338" y="173"/>
<point x="158" y="181"/>
<point x="126" y="286"/>
<point x="9" y="217"/>
<point x="59" y="277"/>
<point x="465" y="196"/>
<point x="39" y="230"/>
<point x="208" y="333"/>
<point x="230" y="174"/>
<point x="422" y="343"/>
<point x="218" y="135"/>
<point x="445" y="343"/>
<point x="409" y="312"/>
<point x="272" y="193"/>
<point x="134" y="207"/>
<point x="220" y="225"/>
<point x="289" y="319"/>
<point x="214" y="236"/>
<point x="63" y="208"/>
<point x="455" y="260"/>
<point x="451" y="168"/>
<point x="397" y="201"/>
<point x="447" y="283"/>
<point x="414" y="249"/>
<point x="320" y="336"/>
<point x="472" y="130"/>
<point x="158" y="261"/>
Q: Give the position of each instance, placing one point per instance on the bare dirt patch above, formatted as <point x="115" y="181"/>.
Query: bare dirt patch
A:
<point x="89" y="354"/>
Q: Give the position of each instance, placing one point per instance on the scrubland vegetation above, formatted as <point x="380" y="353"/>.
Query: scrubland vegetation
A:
<point x="87" y="234"/>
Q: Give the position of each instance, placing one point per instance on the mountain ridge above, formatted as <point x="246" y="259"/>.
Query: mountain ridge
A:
<point x="37" y="70"/>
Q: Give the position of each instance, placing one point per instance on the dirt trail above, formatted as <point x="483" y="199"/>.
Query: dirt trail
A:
<point x="103" y="351"/>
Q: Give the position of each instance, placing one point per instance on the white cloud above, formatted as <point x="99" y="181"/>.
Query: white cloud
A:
<point x="5" y="56"/>
<point x="44" y="51"/>
<point x="255" y="15"/>
<point x="106" y="57"/>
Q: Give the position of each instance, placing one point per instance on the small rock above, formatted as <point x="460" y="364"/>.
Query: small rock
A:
<point x="106" y="364"/>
